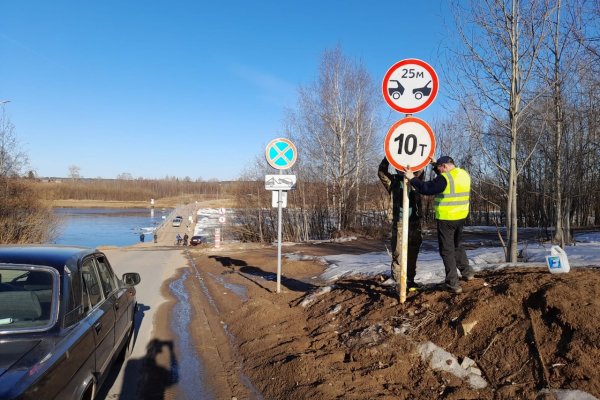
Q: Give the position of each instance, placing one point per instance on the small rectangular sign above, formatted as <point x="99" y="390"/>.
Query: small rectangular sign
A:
<point x="275" y="199"/>
<point x="280" y="182"/>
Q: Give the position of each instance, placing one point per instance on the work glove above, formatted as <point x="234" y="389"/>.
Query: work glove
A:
<point x="409" y="175"/>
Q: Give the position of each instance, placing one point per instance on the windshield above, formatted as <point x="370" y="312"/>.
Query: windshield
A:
<point x="26" y="298"/>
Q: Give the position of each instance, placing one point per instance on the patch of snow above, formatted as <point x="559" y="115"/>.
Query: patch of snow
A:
<point x="313" y="296"/>
<point x="440" y="359"/>
<point x="430" y="268"/>
<point x="565" y="394"/>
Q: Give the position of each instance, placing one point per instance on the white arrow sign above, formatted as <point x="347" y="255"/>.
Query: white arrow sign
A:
<point x="280" y="182"/>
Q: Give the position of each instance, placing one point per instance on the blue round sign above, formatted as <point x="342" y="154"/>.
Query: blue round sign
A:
<point x="281" y="153"/>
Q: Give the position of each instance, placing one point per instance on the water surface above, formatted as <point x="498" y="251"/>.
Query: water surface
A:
<point x="93" y="227"/>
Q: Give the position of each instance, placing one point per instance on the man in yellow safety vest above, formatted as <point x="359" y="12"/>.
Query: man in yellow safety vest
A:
<point x="452" y="189"/>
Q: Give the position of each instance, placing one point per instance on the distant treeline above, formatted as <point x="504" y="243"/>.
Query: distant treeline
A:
<point x="127" y="190"/>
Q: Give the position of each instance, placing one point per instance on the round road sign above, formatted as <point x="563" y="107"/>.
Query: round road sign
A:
<point x="281" y="153"/>
<point x="410" y="86"/>
<point x="409" y="143"/>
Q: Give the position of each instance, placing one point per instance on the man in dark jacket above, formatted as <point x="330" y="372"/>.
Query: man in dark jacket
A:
<point x="393" y="181"/>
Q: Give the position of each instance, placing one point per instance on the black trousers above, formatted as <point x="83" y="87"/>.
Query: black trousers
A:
<point x="451" y="250"/>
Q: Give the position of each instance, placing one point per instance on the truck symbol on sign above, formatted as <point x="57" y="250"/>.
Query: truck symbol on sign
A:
<point x="280" y="181"/>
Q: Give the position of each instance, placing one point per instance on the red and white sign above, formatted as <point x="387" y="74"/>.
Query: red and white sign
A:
<point x="409" y="143"/>
<point x="410" y="86"/>
<point x="217" y="237"/>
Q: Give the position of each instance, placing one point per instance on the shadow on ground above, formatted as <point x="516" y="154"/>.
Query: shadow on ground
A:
<point x="243" y="268"/>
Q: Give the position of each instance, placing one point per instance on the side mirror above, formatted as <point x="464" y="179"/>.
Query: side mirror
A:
<point x="131" y="278"/>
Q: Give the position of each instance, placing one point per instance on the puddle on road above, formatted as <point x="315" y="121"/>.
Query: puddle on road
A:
<point x="190" y="367"/>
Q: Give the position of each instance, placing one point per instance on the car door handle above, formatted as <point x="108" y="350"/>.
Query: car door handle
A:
<point x="98" y="327"/>
<point x="117" y="306"/>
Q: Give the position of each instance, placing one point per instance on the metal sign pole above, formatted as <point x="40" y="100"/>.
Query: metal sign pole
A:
<point x="281" y="154"/>
<point x="279" y="239"/>
<point x="404" y="256"/>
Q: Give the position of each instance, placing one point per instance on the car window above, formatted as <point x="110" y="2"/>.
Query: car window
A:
<point x="72" y="295"/>
<point x="92" y="293"/>
<point x="26" y="297"/>
<point x="106" y="276"/>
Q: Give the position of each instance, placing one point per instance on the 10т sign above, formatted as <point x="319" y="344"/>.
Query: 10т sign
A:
<point x="409" y="144"/>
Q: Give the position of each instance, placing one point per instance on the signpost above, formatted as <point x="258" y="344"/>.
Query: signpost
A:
<point x="217" y="237"/>
<point x="409" y="86"/>
<point x="281" y="154"/>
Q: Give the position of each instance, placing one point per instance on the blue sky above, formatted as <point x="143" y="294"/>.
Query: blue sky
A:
<point x="185" y="88"/>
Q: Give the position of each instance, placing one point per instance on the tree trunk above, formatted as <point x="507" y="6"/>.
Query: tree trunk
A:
<point x="515" y="96"/>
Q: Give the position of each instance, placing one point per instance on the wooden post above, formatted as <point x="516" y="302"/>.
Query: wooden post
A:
<point x="404" y="256"/>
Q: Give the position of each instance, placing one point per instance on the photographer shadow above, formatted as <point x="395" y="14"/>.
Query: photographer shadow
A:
<point x="123" y="358"/>
<point x="155" y="372"/>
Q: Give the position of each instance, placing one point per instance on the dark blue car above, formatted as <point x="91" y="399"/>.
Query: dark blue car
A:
<point x="64" y="318"/>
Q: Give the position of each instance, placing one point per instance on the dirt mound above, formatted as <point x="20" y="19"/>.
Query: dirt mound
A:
<point x="533" y="330"/>
<point x="524" y="330"/>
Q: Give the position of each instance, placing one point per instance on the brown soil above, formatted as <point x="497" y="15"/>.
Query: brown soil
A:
<point x="533" y="330"/>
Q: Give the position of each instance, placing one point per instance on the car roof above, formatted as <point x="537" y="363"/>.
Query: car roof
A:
<point x="47" y="255"/>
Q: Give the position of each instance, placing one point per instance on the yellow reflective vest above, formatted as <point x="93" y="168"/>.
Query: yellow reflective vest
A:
<point x="453" y="203"/>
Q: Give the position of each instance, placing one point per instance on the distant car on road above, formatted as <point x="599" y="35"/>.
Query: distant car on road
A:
<point x="64" y="318"/>
<point x="195" y="240"/>
<point x="177" y="222"/>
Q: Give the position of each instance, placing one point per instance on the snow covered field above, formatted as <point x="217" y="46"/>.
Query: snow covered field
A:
<point x="430" y="268"/>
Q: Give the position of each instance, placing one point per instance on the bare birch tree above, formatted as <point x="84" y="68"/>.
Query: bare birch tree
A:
<point x="334" y="125"/>
<point x="501" y="40"/>
<point x="12" y="158"/>
<point x="563" y="55"/>
<point x="74" y="172"/>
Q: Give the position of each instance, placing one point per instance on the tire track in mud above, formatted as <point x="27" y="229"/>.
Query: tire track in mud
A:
<point x="214" y="342"/>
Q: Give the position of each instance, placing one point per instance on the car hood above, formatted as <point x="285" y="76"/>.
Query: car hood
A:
<point x="12" y="351"/>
